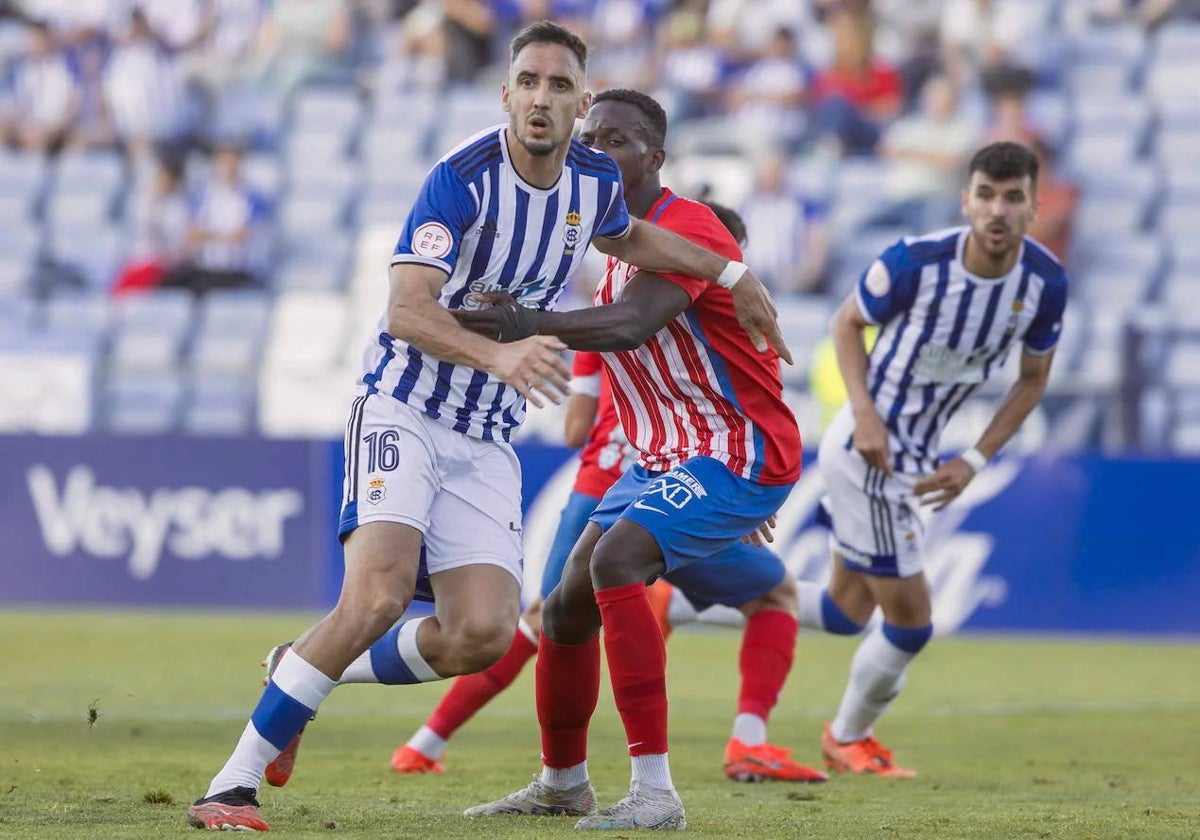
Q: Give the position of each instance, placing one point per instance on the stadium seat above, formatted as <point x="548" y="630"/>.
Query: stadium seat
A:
<point x="1102" y="113"/>
<point x="1182" y="367"/>
<point x="89" y="173"/>
<point x="142" y="403"/>
<point x="393" y="152"/>
<point x="96" y="253"/>
<point x="234" y="312"/>
<point x="1114" y="216"/>
<point x="1116" y="45"/>
<point x="332" y="183"/>
<point x="1179" y="149"/>
<point x="306" y="332"/>
<point x="1179" y="220"/>
<point x="263" y="173"/>
<point x="78" y="211"/>
<point x="1138" y="255"/>
<point x="1120" y="288"/>
<point x="135" y="351"/>
<point x="311" y="215"/>
<point x="1084" y="78"/>
<point x="228" y="354"/>
<point x="1185" y="257"/>
<point x="1176" y="41"/>
<point x="1100" y="152"/>
<point x="316" y="147"/>
<point x="163" y="310"/>
<point x="18" y="313"/>
<point x="1171" y="88"/>
<point x="90" y="314"/>
<point x="384" y="210"/>
<point x="324" y="106"/>
<point x="22" y="174"/>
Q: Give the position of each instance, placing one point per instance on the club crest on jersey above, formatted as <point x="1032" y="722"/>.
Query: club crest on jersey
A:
<point x="572" y="233"/>
<point x="376" y="492"/>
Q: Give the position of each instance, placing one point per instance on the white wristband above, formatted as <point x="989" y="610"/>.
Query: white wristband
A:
<point x="732" y="273"/>
<point x="975" y="459"/>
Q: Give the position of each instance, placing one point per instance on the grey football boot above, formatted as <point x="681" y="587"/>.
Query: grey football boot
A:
<point x="539" y="799"/>
<point x="645" y="808"/>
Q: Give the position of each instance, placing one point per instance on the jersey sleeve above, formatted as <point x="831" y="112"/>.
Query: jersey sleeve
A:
<point x="1043" y="333"/>
<point x="615" y="223"/>
<point x="440" y="217"/>
<point x="888" y="286"/>
<point x="585" y="373"/>
<point x="697" y="224"/>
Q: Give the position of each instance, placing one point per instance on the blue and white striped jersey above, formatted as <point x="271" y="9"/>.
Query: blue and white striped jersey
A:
<point x="478" y="221"/>
<point x="945" y="331"/>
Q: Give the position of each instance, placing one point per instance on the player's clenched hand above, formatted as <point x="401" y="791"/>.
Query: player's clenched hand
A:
<point x="945" y="485"/>
<point x="871" y="441"/>
<point x="502" y="318"/>
<point x="764" y="533"/>
<point x="534" y="367"/>
<point x="755" y="311"/>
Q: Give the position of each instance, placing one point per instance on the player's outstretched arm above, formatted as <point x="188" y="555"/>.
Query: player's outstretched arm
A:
<point x="870" y="433"/>
<point x="647" y="304"/>
<point x="652" y="248"/>
<point x="532" y="366"/>
<point x="952" y="477"/>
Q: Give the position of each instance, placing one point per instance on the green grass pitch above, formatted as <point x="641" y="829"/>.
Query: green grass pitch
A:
<point x="1012" y="738"/>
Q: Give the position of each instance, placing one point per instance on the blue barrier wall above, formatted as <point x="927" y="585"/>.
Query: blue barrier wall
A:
<point x="1046" y="544"/>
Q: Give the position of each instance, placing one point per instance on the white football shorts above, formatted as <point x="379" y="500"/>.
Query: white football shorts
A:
<point x="878" y="524"/>
<point x="463" y="494"/>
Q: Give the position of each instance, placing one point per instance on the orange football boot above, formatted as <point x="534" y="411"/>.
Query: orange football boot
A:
<point x="659" y="594"/>
<point x="865" y="755"/>
<point x="407" y="760"/>
<point x="765" y="762"/>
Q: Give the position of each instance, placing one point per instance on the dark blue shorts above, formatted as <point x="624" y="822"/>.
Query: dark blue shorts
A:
<point x="698" y="514"/>
<point x="571" y="522"/>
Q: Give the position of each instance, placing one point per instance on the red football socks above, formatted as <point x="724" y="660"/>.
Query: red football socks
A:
<point x="472" y="692"/>
<point x="568" y="686"/>
<point x="768" y="647"/>
<point x="637" y="661"/>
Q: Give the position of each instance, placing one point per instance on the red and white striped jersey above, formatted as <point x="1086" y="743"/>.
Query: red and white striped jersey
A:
<point x="698" y="386"/>
<point x="607" y="453"/>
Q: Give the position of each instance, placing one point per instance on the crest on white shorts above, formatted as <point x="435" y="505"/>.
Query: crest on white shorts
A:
<point x="376" y="491"/>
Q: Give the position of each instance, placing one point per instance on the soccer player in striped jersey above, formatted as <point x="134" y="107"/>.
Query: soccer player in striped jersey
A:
<point x="950" y="307"/>
<point x="718" y="453"/>
<point x="768" y="640"/>
<point x="430" y="477"/>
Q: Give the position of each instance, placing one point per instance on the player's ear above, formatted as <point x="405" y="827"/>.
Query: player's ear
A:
<point x="657" y="159"/>
<point x="585" y="105"/>
<point x="504" y="100"/>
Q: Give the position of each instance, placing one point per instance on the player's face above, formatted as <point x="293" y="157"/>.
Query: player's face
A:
<point x="998" y="212"/>
<point x="618" y="129"/>
<point x="544" y="96"/>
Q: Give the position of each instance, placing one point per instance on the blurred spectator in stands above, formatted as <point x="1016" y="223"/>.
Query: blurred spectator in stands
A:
<point x="93" y="127"/>
<point x="45" y="96"/>
<point x="1149" y="13"/>
<point x="622" y="41"/>
<point x="221" y="249"/>
<point x="415" y="54"/>
<point x="977" y="34"/>
<point x="469" y="26"/>
<point x="858" y="94"/>
<point x="1007" y="88"/>
<point x="305" y="41"/>
<point x="161" y="219"/>
<point x="745" y="29"/>
<point x="230" y="32"/>
<point x="790" y="246"/>
<point x="179" y="25"/>
<point x="144" y="91"/>
<point x="1057" y="199"/>
<point x="690" y="71"/>
<point x="771" y="94"/>
<point x="925" y="155"/>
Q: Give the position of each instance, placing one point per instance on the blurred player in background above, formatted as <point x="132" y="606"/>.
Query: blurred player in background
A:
<point x="591" y="422"/>
<point x="719" y="451"/>
<point x="512" y="208"/>
<point x="949" y="307"/>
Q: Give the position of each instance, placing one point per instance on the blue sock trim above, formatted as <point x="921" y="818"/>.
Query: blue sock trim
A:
<point x="834" y="620"/>
<point x="278" y="717"/>
<point x="908" y="639"/>
<point x="389" y="668"/>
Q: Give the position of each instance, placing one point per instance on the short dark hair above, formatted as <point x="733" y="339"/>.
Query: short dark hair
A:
<point x="656" y="117"/>
<point x="549" y="32"/>
<point x="730" y="218"/>
<point x="1004" y="160"/>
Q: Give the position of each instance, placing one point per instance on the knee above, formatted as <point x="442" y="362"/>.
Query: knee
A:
<point x="783" y="597"/>
<point x="370" y="617"/>
<point x="838" y="621"/>
<point x="612" y="566"/>
<point x="474" y="644"/>
<point x="908" y="639"/>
